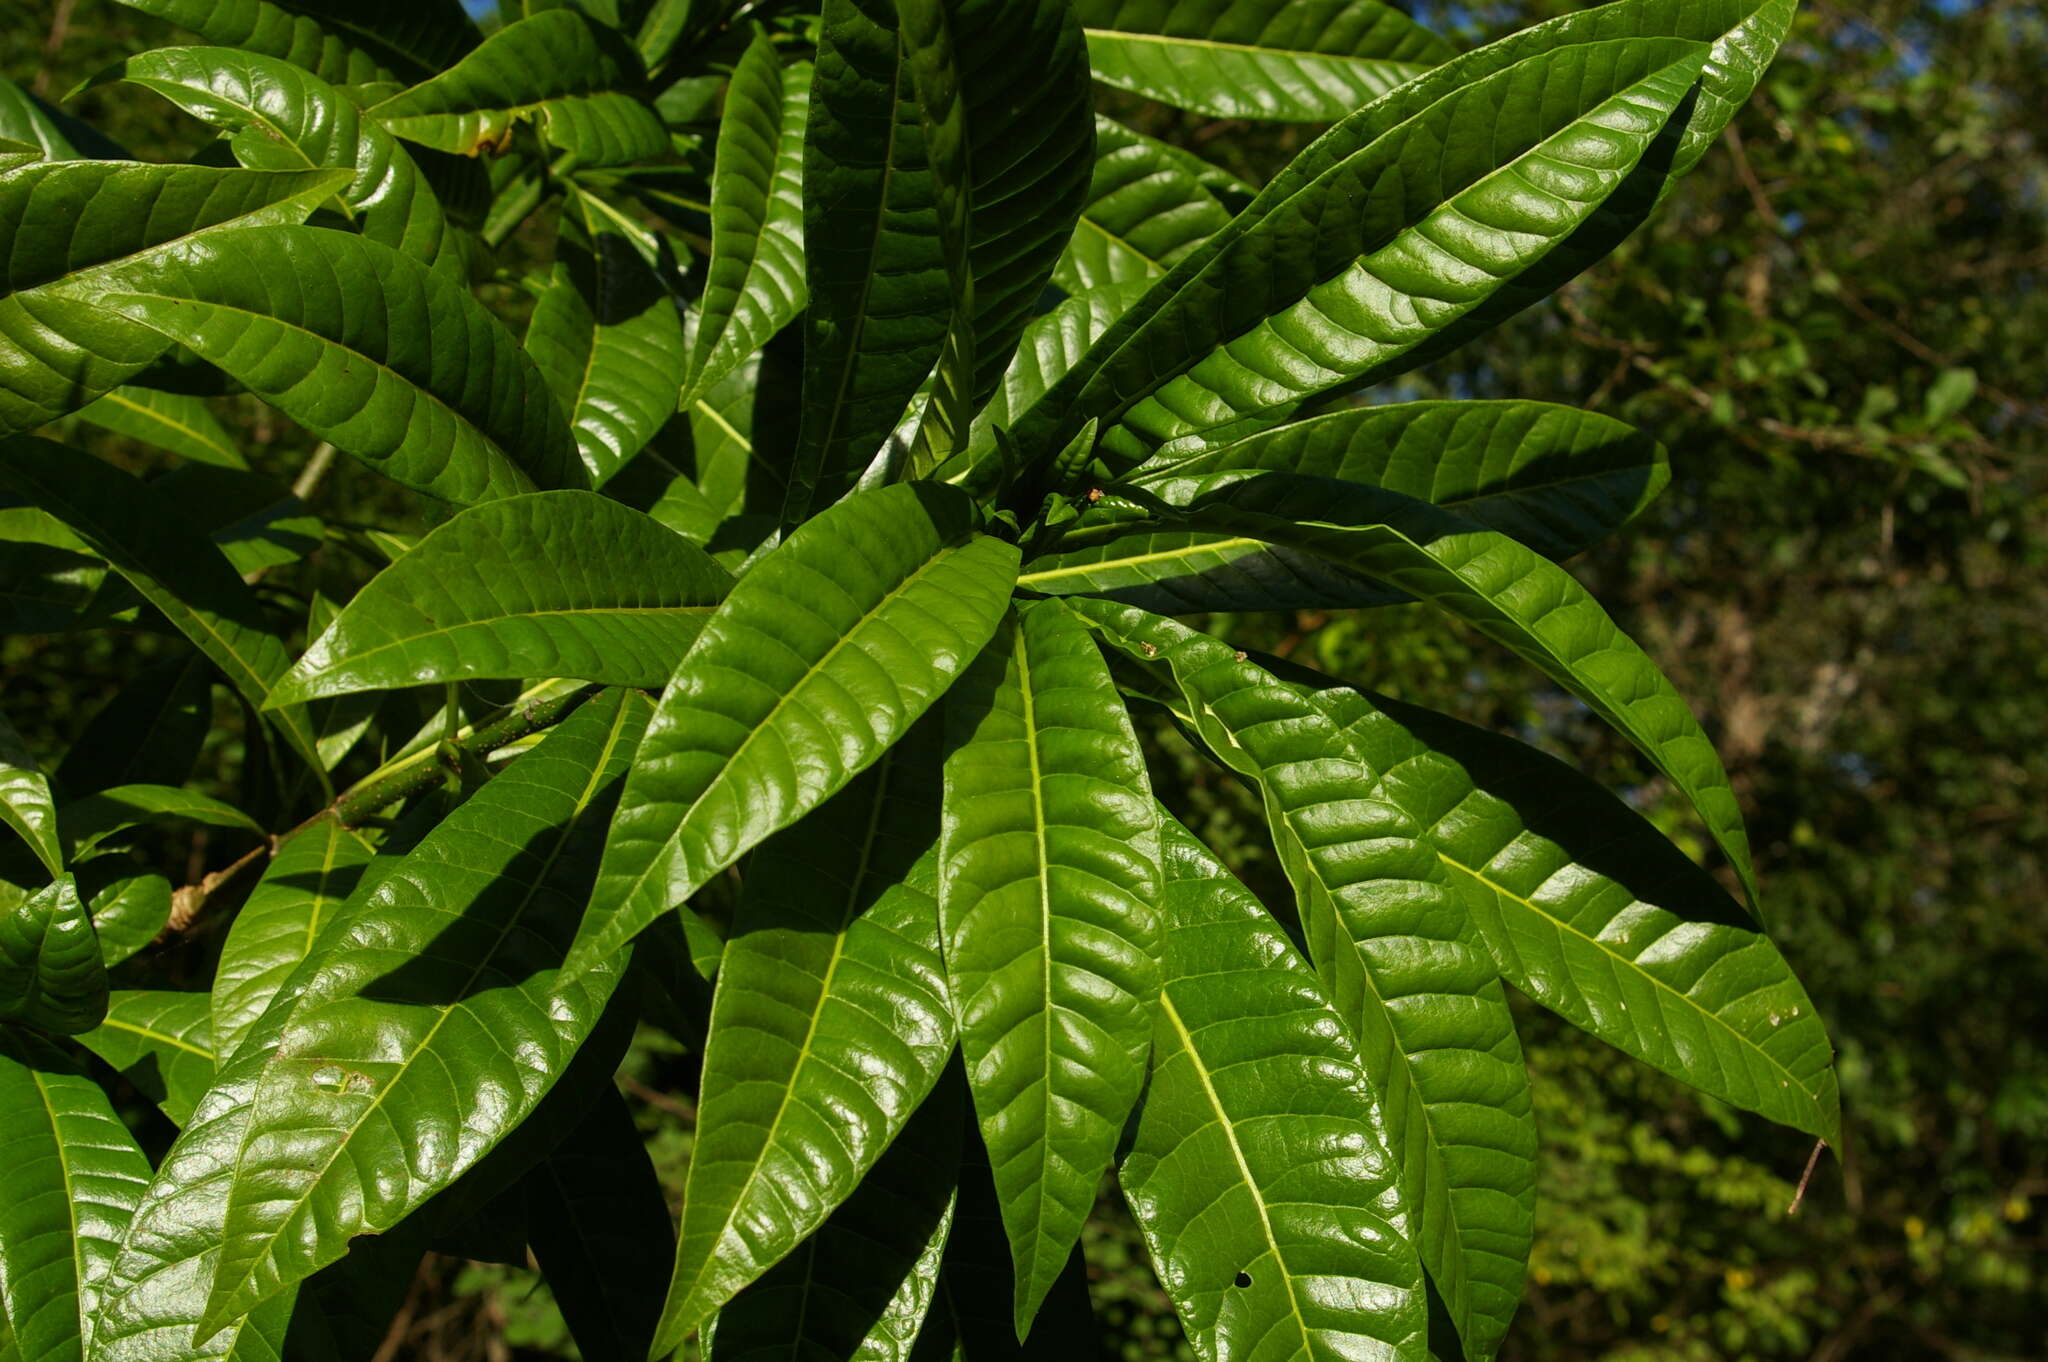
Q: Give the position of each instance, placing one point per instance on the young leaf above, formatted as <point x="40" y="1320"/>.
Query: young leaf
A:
<point x="608" y="336"/>
<point x="1513" y="595"/>
<point x="177" y="422"/>
<point x="51" y="973"/>
<point x="1145" y="212"/>
<point x="25" y="802"/>
<point x="393" y="362"/>
<point x="1303" y="60"/>
<point x="65" y="225"/>
<point x="553" y="584"/>
<point x="754" y="283"/>
<point x="829" y="1025"/>
<point x="821" y="657"/>
<point x="349" y="42"/>
<point x="572" y="76"/>
<point x="287" y="118"/>
<point x="874" y="266"/>
<point x="160" y="1041"/>
<point x="1592" y="912"/>
<point x="1387" y="935"/>
<point x="443" y="986"/>
<point x="307" y="881"/>
<point x="858" y="1289"/>
<point x="598" y="1225"/>
<point x="1048" y="877"/>
<point x="1259" y="1172"/>
<point x="74" y="1174"/>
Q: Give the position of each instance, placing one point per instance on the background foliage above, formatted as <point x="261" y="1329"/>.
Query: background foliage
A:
<point x="1836" y="328"/>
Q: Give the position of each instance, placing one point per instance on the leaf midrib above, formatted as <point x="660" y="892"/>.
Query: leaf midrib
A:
<point x="1256" y="49"/>
<point x="150" y="1033"/>
<point x="1033" y="737"/>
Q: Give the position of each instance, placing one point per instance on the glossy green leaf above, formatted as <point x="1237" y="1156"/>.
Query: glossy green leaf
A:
<point x="65" y="225"/>
<point x="1145" y="213"/>
<point x="1048" y="886"/>
<point x="88" y="821"/>
<point x="553" y="584"/>
<point x="128" y="910"/>
<point x="1556" y="478"/>
<point x="858" y="1289"/>
<point x="874" y="265"/>
<point x="349" y="42"/>
<point x="303" y="887"/>
<point x="598" y="1225"/>
<point x="29" y="121"/>
<point x="286" y="118"/>
<point x="73" y="1175"/>
<point x="162" y="1042"/>
<point x="432" y="1022"/>
<point x="754" y="282"/>
<point x="1509" y="593"/>
<point x="1592" y="912"/>
<point x="166" y="559"/>
<point x="51" y="973"/>
<point x="388" y="359"/>
<point x="1260" y="1171"/>
<point x="1302" y="60"/>
<point x="25" y="802"/>
<point x="609" y="338"/>
<point x="829" y="1025"/>
<point x="820" y="658"/>
<point x="1387" y="935"/>
<point x="1003" y="87"/>
<point x="176" y="422"/>
<point x="1298" y="296"/>
<point x="574" y="78"/>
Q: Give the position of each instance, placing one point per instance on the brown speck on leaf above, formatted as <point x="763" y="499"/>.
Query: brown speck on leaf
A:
<point x="1239" y="655"/>
<point x="1094" y="495"/>
<point x="1151" y="649"/>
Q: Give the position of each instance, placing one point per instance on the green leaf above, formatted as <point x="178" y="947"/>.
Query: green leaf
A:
<point x="571" y="76"/>
<point x="1003" y="87"/>
<point x="26" y="120"/>
<point x="1050" y="345"/>
<point x="874" y="265"/>
<point x="1387" y="935"/>
<point x="306" y="883"/>
<point x="599" y="1228"/>
<point x="1048" y="886"/>
<point x="51" y="973"/>
<point x="1451" y="187"/>
<point x="150" y="733"/>
<point x="1556" y="478"/>
<point x="441" y="988"/>
<point x="170" y="563"/>
<point x="829" y="1025"/>
<point x="1259" y="1171"/>
<point x="607" y="335"/>
<point x="1145" y="213"/>
<point x="1592" y="912"/>
<point x="162" y="1042"/>
<point x="858" y="1289"/>
<point x="1509" y="593"/>
<point x="391" y="361"/>
<point x="73" y="1176"/>
<point x="175" y="422"/>
<point x="287" y="118"/>
<point x="65" y="226"/>
<point x="1301" y="60"/>
<point x="754" y="283"/>
<point x="25" y="802"/>
<point x="88" y="821"/>
<point x="821" y="657"/>
<point x="349" y="42"/>
<point x="129" y="910"/>
<point x="554" y="584"/>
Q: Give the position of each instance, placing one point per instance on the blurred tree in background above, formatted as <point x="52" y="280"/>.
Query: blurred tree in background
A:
<point x="1837" y="327"/>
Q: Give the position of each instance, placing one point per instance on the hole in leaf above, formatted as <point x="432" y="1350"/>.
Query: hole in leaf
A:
<point x="1244" y="1279"/>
